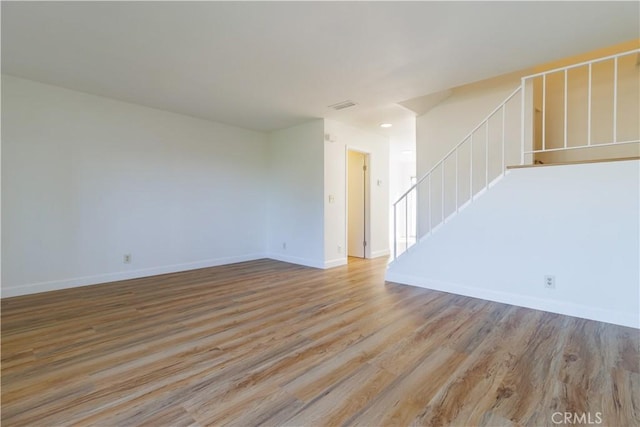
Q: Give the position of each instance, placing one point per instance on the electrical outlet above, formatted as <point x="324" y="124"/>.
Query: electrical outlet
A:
<point x="284" y="245"/>
<point x="339" y="249"/>
<point x="126" y="258"/>
<point x="550" y="282"/>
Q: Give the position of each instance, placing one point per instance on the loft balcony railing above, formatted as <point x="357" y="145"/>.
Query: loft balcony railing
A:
<point x="553" y="116"/>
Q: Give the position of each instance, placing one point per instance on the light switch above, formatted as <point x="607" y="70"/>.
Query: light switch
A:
<point x="331" y="198"/>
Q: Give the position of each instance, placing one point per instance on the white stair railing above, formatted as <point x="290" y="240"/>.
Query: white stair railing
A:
<point x="462" y="174"/>
<point x="546" y="128"/>
<point x="583" y="106"/>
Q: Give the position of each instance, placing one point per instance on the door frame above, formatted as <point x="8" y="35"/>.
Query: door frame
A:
<point x="367" y="198"/>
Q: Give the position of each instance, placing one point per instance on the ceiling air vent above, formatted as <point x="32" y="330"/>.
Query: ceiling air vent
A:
<point x="342" y="105"/>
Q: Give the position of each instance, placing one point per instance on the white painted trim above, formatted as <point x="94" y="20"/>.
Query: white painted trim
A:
<point x="75" y="282"/>
<point x="296" y="260"/>
<point x="380" y="253"/>
<point x="582" y="311"/>
<point x="335" y="262"/>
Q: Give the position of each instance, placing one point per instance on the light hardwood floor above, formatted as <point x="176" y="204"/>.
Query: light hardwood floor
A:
<point x="269" y="343"/>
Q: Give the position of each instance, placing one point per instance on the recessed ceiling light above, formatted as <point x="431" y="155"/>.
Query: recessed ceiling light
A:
<point x="386" y="125"/>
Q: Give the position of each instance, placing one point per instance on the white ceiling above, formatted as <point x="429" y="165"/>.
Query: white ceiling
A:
<point x="268" y="65"/>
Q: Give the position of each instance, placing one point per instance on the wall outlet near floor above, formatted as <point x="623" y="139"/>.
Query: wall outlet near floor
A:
<point x="284" y="245"/>
<point x="126" y="258"/>
<point x="550" y="282"/>
<point x="339" y="249"/>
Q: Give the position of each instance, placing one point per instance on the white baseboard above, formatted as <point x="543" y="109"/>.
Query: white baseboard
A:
<point x="335" y="262"/>
<point x="553" y="306"/>
<point x="381" y="253"/>
<point x="296" y="260"/>
<point x="122" y="275"/>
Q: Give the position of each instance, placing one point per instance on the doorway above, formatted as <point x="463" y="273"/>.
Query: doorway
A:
<point x="357" y="203"/>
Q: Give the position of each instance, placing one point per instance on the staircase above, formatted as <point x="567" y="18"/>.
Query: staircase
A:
<point x="493" y="224"/>
<point x="584" y="111"/>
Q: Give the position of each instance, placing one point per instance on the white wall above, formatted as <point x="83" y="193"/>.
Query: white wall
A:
<point x="578" y="223"/>
<point x="86" y="179"/>
<point x="295" y="207"/>
<point x="348" y="137"/>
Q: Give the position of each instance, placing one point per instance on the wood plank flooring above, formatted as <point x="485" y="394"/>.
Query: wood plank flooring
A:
<point x="269" y="343"/>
